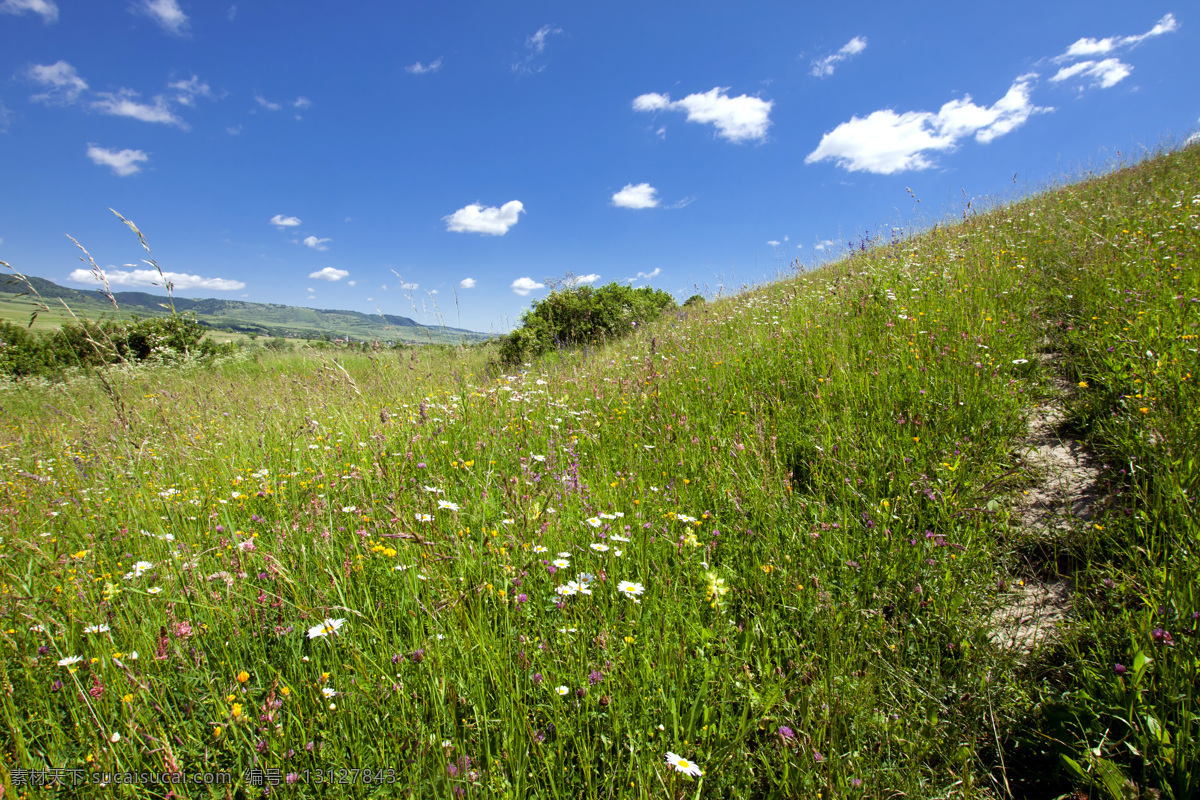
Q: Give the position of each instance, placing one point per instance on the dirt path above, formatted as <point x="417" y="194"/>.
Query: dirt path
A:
<point x="1062" y="497"/>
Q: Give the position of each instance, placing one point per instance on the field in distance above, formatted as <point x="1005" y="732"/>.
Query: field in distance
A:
<point x="228" y="320"/>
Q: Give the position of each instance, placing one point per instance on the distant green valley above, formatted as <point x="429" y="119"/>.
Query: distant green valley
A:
<point x="268" y="320"/>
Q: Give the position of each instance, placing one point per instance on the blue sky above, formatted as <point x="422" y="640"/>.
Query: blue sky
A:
<point x="443" y="162"/>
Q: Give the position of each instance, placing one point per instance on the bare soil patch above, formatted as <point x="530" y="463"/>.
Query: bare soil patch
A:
<point x="1062" y="497"/>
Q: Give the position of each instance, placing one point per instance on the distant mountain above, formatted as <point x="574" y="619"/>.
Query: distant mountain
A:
<point x="264" y="319"/>
<point x="49" y="290"/>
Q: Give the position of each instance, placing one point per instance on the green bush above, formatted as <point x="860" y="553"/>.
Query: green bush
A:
<point x="24" y="353"/>
<point x="88" y="344"/>
<point x="582" y="315"/>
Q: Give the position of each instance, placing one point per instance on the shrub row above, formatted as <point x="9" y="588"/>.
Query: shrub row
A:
<point x="25" y="353"/>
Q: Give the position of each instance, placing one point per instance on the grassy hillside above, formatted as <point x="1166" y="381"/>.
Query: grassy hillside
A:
<point x="235" y="316"/>
<point x="795" y="543"/>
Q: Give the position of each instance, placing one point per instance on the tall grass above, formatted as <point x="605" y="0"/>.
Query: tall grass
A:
<point x="400" y="565"/>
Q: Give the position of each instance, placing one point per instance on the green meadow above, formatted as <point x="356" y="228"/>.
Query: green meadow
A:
<point x="767" y="546"/>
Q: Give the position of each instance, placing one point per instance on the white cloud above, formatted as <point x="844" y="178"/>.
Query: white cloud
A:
<point x="124" y="104"/>
<point x="535" y="45"/>
<point x="150" y="277"/>
<point x="652" y="102"/>
<point x="648" y="275"/>
<point x="123" y="162"/>
<point x="537" y="42"/>
<point x="823" y="67"/>
<point x="166" y="13"/>
<point x="885" y="142"/>
<point x="409" y="287"/>
<point x="736" y="118"/>
<point x="576" y="280"/>
<point x="62" y="83"/>
<point x="773" y="243"/>
<point x="420" y="69"/>
<point x="234" y="130"/>
<point x="315" y="243"/>
<point x="352" y="283"/>
<point x="640" y="196"/>
<point x="328" y="274"/>
<point x="523" y="286"/>
<point x="824" y="245"/>
<point x="46" y="8"/>
<point x="467" y="283"/>
<point x="189" y="90"/>
<point x="265" y="103"/>
<point x="1085" y="48"/>
<point x="301" y="102"/>
<point x="1105" y="74"/>
<point x="280" y="221"/>
<point x="477" y="219"/>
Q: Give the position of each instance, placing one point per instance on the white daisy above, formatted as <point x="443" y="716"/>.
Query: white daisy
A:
<point x="325" y="628"/>
<point x="683" y="765"/>
<point x="630" y="589"/>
